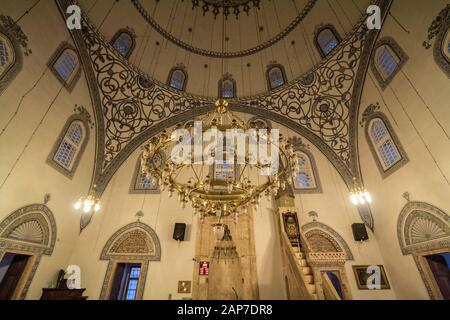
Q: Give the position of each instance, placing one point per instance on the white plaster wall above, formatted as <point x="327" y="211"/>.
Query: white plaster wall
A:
<point x="421" y="176"/>
<point x="32" y="177"/>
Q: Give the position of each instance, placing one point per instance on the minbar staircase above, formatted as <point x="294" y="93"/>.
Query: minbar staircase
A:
<point x="300" y="272"/>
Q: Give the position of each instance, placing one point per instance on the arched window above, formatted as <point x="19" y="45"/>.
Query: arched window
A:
<point x="383" y="142"/>
<point x="227" y="87"/>
<point x="387" y="151"/>
<point x="177" y="78"/>
<point x="276" y="76"/>
<point x="306" y="178"/>
<point x="143" y="184"/>
<point x="66" y="65"/>
<point x="10" y="57"/>
<point x="7" y="55"/>
<point x="387" y="60"/>
<point x="70" y="145"/>
<point x="124" y="42"/>
<point x="327" y="39"/>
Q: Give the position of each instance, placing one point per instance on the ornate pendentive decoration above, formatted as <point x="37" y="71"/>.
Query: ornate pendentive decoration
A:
<point x="136" y="243"/>
<point x="30" y="230"/>
<point x="423" y="230"/>
<point x="230" y="6"/>
<point x="82" y="116"/>
<point x="130" y="107"/>
<point x="422" y="227"/>
<point x="14" y="42"/>
<point x="322" y="238"/>
<point x="439" y="29"/>
<point x="219" y="54"/>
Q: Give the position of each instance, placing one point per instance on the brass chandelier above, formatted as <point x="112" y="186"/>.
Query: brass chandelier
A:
<point x="210" y="191"/>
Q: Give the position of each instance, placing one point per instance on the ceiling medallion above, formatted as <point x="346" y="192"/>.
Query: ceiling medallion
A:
<point x="226" y="6"/>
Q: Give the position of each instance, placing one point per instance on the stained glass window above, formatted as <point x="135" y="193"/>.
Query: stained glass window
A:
<point x="66" y="65"/>
<point x="276" y="77"/>
<point x="305" y="176"/>
<point x="387" y="61"/>
<point x="70" y="145"/>
<point x="177" y="79"/>
<point x="123" y="43"/>
<point x="382" y="140"/>
<point x="327" y="41"/>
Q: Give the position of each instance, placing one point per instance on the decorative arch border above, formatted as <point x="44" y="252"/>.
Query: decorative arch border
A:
<point x="369" y="114"/>
<point x="35" y="251"/>
<point x="142" y="259"/>
<point x="419" y="250"/>
<point x="332" y="233"/>
<point x="85" y="118"/>
<point x="439" y="28"/>
<point x="18" y="39"/>
<point x="390" y="42"/>
<point x="438" y="216"/>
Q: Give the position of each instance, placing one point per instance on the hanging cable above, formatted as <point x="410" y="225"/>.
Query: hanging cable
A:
<point x="398" y="22"/>
<point x="420" y="136"/>
<point x="382" y="98"/>
<point x="107" y="14"/>
<point x="284" y="41"/>
<point x="28" y="11"/>
<point x="31" y="137"/>
<point x="345" y="13"/>
<point x="337" y="17"/>
<point x="425" y="104"/>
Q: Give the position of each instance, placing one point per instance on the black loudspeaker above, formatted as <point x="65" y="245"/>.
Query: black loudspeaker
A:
<point x="179" y="231"/>
<point x="360" y="232"/>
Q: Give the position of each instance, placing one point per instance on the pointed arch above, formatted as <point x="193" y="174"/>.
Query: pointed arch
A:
<point x="330" y="239"/>
<point x="30" y="230"/>
<point x="422" y="227"/>
<point x="136" y="243"/>
<point x="424" y="230"/>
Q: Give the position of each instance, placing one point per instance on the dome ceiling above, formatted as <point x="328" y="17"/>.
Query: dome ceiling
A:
<point x="213" y="37"/>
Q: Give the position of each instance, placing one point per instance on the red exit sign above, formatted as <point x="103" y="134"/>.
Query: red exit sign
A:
<point x="204" y="268"/>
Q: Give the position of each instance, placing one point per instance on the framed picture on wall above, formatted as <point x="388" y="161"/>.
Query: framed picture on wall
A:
<point x="362" y="274"/>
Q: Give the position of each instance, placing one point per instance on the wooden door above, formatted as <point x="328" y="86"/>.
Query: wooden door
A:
<point x="441" y="272"/>
<point x="13" y="276"/>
